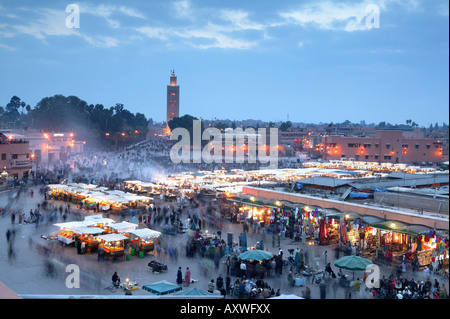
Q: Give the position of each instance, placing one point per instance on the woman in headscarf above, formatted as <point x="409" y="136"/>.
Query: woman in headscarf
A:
<point x="187" y="277"/>
<point x="179" y="276"/>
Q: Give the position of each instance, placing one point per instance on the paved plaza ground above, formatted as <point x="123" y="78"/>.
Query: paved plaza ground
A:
<point x="24" y="272"/>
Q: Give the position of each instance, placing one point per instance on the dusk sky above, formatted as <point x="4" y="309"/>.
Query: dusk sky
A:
<point x="314" y="61"/>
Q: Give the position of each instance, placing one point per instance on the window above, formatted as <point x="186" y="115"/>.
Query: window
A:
<point x="376" y="157"/>
<point x="14" y="156"/>
<point x="366" y="157"/>
<point x="428" y="146"/>
<point x="387" y="157"/>
<point x="417" y="146"/>
<point x="388" y="145"/>
<point x="3" y="157"/>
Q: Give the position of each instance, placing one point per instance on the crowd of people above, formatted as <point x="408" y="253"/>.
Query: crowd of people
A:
<point x="193" y="215"/>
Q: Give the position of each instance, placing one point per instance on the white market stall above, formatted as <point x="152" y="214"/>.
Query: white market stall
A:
<point x="87" y="235"/>
<point x="113" y="245"/>
<point x="122" y="227"/>
<point x="66" y="235"/>
<point x="143" y="239"/>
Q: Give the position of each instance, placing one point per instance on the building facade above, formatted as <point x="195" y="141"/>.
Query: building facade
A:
<point x="173" y="100"/>
<point x="15" y="161"/>
<point x="48" y="147"/>
<point x="293" y="138"/>
<point x="389" y="146"/>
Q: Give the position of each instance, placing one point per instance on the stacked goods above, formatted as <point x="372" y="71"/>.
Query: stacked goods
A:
<point x="424" y="257"/>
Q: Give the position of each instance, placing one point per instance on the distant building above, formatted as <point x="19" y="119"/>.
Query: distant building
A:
<point x="173" y="100"/>
<point x="292" y="138"/>
<point x="15" y="159"/>
<point x="392" y="146"/>
<point x="48" y="147"/>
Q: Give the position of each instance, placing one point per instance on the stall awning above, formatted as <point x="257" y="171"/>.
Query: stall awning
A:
<point x="193" y="292"/>
<point x="88" y="230"/>
<point x="123" y="226"/>
<point x="395" y="227"/>
<point x="112" y="237"/>
<point x="371" y="219"/>
<point x="162" y="287"/>
<point x="145" y="233"/>
<point x="70" y="225"/>
<point x="93" y="216"/>
<point x="97" y="221"/>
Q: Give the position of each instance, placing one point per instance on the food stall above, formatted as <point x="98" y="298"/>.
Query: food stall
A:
<point x="118" y="204"/>
<point x="137" y="201"/>
<point x="113" y="245"/>
<point x="143" y="187"/>
<point x="66" y="236"/>
<point x="88" y="235"/>
<point x="143" y="239"/>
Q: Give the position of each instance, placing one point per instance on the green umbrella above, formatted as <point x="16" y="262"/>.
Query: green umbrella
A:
<point x="255" y="254"/>
<point x="353" y="263"/>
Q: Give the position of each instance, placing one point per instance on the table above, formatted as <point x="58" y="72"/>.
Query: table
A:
<point x="131" y="285"/>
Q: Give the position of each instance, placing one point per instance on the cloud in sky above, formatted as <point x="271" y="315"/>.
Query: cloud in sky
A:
<point x="108" y="11"/>
<point x="199" y="27"/>
<point x="329" y="15"/>
<point x="334" y="58"/>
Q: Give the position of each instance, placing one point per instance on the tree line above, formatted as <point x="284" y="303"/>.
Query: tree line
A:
<point x="99" y="126"/>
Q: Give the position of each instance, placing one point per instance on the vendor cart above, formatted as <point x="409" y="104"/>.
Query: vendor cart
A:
<point x="173" y="230"/>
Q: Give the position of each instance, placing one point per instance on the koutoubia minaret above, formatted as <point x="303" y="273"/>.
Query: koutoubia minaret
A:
<point x="173" y="100"/>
